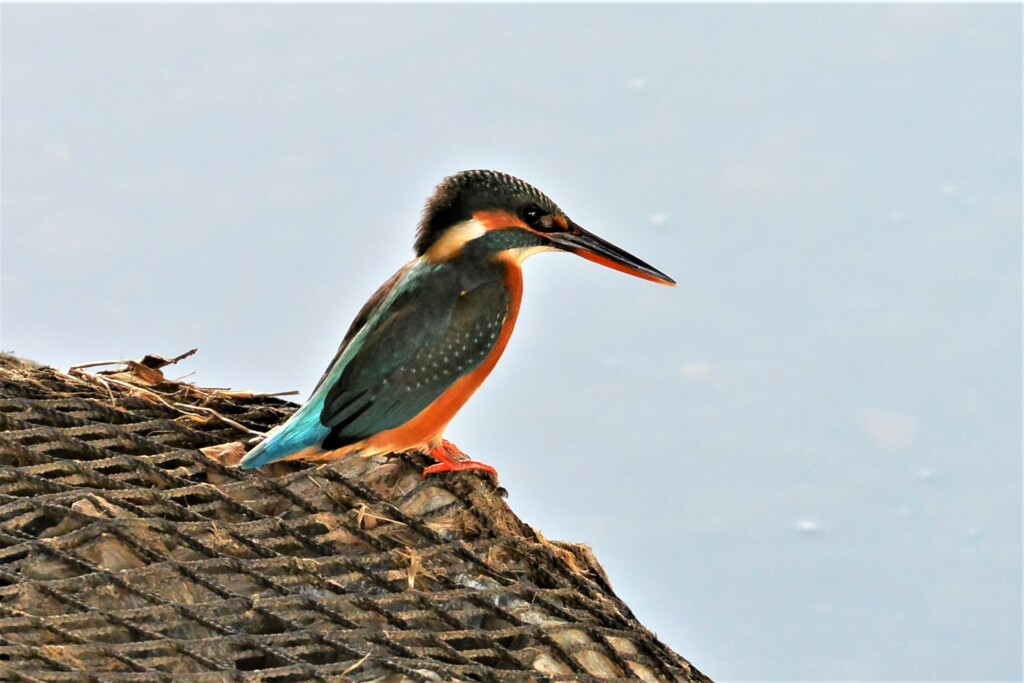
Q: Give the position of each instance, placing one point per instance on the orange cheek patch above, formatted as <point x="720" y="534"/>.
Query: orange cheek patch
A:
<point x="498" y="220"/>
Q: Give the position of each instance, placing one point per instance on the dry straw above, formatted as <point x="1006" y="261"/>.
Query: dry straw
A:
<point x="126" y="554"/>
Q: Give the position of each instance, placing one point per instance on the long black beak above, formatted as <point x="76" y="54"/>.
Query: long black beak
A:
<point x="593" y="248"/>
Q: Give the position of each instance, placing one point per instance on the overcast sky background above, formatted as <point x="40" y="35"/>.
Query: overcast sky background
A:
<point x="802" y="463"/>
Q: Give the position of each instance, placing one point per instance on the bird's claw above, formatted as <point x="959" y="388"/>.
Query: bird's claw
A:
<point x="464" y="466"/>
<point x="452" y="459"/>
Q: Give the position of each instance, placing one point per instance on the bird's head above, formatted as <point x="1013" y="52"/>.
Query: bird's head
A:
<point x="492" y="214"/>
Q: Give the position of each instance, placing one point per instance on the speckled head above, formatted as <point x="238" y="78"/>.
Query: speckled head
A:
<point x="464" y="194"/>
<point x="492" y="215"/>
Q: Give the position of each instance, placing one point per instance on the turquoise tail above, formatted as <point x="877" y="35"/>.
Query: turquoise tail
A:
<point x="303" y="430"/>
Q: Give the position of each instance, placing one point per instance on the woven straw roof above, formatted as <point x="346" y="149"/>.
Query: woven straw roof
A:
<point x="126" y="554"/>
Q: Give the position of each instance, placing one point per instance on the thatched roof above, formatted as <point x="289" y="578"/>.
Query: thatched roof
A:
<point x="126" y="554"/>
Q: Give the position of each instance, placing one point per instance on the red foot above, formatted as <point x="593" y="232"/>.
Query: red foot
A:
<point x="454" y="460"/>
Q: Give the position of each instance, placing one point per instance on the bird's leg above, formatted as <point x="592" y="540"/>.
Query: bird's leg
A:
<point x="454" y="460"/>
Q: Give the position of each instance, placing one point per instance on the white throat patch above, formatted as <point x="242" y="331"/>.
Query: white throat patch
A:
<point x="517" y="256"/>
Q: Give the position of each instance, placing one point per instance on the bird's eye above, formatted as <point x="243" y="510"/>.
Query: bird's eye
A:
<point x="534" y="217"/>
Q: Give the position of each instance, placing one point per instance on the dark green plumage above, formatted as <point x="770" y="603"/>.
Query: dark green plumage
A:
<point x="440" y="323"/>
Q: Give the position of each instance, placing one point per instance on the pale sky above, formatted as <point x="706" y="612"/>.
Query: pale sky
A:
<point x="803" y="463"/>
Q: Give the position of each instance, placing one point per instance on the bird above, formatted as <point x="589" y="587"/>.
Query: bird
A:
<point x="427" y="339"/>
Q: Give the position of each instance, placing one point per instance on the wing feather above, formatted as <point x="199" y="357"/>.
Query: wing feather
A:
<point x="440" y="326"/>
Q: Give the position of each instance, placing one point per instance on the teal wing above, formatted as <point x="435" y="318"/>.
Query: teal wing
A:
<point x="303" y="429"/>
<point x="422" y="330"/>
<point x="440" y="326"/>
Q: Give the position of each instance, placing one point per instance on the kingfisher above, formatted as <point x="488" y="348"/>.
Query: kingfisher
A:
<point x="427" y="339"/>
